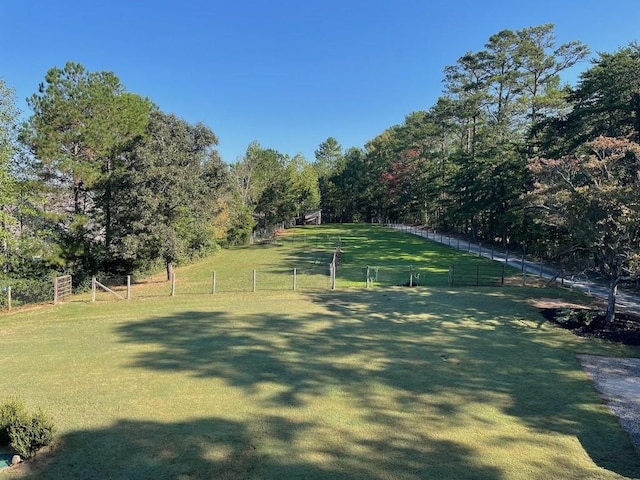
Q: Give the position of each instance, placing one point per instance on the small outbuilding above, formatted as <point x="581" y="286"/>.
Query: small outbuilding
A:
<point x="313" y="218"/>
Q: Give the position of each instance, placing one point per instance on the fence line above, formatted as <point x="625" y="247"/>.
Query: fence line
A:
<point x="317" y="274"/>
<point x="16" y="292"/>
<point x="528" y="268"/>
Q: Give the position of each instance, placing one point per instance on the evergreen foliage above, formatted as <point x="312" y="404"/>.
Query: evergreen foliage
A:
<point x="25" y="433"/>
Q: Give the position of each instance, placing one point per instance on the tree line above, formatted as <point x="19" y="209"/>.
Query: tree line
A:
<point x="99" y="179"/>
<point x="512" y="156"/>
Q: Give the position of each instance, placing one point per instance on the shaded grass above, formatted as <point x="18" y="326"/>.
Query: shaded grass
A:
<point x="394" y="383"/>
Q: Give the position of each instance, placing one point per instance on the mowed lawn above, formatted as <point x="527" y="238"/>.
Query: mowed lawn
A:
<point x="385" y="383"/>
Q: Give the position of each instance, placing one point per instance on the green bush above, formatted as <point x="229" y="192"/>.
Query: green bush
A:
<point x="12" y="412"/>
<point x="31" y="434"/>
<point x="25" y="433"/>
<point x="577" y="317"/>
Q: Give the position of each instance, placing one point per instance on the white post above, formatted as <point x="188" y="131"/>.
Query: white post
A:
<point x="93" y="289"/>
<point x="332" y="276"/>
<point x="173" y="284"/>
<point x="128" y="287"/>
<point x="55" y="291"/>
<point x="295" y="272"/>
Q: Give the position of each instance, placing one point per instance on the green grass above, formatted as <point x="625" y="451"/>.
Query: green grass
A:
<point x="395" y="258"/>
<point x="390" y="383"/>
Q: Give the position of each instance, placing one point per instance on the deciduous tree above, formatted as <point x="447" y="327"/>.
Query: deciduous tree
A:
<point x="168" y="187"/>
<point x="592" y="197"/>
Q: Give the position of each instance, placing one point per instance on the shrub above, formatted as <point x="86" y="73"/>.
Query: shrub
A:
<point x="23" y="432"/>
<point x="31" y="434"/>
<point x="12" y="412"/>
<point x="578" y="317"/>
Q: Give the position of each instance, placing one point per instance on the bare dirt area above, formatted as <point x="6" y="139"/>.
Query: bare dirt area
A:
<point x="616" y="379"/>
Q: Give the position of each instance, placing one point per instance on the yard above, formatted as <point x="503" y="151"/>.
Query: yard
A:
<point x="380" y="383"/>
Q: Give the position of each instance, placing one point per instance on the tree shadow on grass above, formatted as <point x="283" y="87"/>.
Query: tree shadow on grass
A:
<point x="398" y="354"/>
<point x="264" y="448"/>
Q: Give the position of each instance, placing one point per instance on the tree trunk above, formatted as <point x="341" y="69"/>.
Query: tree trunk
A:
<point x="611" y="299"/>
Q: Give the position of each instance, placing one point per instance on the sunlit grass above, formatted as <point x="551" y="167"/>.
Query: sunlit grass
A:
<point x="371" y="384"/>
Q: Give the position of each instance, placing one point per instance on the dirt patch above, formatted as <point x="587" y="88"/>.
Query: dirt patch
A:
<point x="618" y="381"/>
<point x="542" y="303"/>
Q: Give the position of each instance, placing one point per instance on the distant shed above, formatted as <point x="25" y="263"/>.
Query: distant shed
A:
<point x="313" y="218"/>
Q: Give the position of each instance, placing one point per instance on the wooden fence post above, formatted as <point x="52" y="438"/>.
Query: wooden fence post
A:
<point x="254" y="281"/>
<point x="9" y="298"/>
<point x="173" y="284"/>
<point x="333" y="274"/>
<point x="93" y="289"/>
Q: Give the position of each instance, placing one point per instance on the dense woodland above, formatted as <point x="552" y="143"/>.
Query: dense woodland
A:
<point x="99" y="179"/>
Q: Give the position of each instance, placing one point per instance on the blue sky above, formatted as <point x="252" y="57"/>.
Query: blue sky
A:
<point x="286" y="73"/>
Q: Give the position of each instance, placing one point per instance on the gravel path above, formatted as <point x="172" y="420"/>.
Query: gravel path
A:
<point x="618" y="381"/>
<point x="624" y="300"/>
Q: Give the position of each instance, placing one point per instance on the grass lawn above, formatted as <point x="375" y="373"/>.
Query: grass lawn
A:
<point x="394" y="257"/>
<point x="390" y="383"/>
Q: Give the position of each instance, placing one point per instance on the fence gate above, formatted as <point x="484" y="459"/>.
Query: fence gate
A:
<point x="62" y="288"/>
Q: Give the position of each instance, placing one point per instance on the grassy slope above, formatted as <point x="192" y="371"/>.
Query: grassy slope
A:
<point x="385" y="383"/>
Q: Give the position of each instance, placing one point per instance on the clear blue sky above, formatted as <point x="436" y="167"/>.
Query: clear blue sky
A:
<point x="286" y="73"/>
